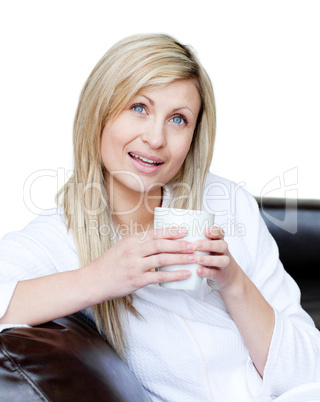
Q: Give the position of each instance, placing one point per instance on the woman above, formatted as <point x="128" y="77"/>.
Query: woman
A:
<point x="143" y="137"/>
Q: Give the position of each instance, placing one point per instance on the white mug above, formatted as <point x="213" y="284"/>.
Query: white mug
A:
<point x="195" y="222"/>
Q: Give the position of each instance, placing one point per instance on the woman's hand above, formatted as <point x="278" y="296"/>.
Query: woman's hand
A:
<point x="251" y="313"/>
<point x="219" y="267"/>
<point x="121" y="270"/>
<point x="130" y="264"/>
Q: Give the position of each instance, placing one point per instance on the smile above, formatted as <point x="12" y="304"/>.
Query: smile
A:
<point x="144" y="161"/>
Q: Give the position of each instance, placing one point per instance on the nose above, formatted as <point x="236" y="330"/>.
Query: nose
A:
<point x="155" y="135"/>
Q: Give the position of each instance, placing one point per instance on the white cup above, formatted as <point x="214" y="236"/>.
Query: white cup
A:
<point x="195" y="222"/>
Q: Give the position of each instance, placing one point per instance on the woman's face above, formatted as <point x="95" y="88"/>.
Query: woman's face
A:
<point x="145" y="146"/>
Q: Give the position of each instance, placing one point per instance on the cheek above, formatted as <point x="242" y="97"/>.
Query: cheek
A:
<point x="111" y="137"/>
<point x="107" y="149"/>
<point x="183" y="148"/>
<point x="179" y="153"/>
<point x="104" y="147"/>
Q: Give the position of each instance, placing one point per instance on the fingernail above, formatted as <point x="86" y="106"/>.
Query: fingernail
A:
<point x="214" y="230"/>
<point x="199" y="244"/>
<point x="192" y="258"/>
<point x="190" y="247"/>
<point x="201" y="258"/>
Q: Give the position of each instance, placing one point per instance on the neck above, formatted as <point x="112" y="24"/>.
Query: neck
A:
<point x="133" y="211"/>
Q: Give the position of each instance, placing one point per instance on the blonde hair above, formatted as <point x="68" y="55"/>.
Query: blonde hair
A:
<point x="129" y="66"/>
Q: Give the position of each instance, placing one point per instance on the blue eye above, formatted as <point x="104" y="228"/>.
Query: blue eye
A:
<point x="179" y="120"/>
<point x="138" y="108"/>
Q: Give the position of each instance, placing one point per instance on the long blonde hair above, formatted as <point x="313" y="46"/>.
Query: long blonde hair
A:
<point x="132" y="64"/>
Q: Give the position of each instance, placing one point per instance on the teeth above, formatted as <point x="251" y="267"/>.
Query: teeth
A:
<point x="147" y="164"/>
<point x="146" y="160"/>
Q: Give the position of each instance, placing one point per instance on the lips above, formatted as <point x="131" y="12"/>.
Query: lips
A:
<point x="145" y="163"/>
<point x="146" y="160"/>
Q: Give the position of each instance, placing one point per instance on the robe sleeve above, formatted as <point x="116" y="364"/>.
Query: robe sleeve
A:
<point x="42" y="248"/>
<point x="294" y="353"/>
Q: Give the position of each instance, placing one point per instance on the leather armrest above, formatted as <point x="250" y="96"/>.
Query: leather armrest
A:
<point x="63" y="360"/>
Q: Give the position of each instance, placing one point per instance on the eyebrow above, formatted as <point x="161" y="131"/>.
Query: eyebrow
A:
<point x="150" y="100"/>
<point x="174" y="110"/>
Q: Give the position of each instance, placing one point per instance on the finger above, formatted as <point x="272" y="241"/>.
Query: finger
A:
<point x="172" y="232"/>
<point x="161" y="260"/>
<point x="159" y="246"/>
<point x="217" y="246"/>
<point x="214" y="261"/>
<point x="209" y="273"/>
<point x="166" y="276"/>
<point x="214" y="233"/>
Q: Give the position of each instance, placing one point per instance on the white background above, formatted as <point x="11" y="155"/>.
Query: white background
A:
<point x="263" y="58"/>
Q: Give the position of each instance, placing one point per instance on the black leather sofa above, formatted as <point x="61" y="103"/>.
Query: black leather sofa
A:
<point x="295" y="225"/>
<point x="67" y="360"/>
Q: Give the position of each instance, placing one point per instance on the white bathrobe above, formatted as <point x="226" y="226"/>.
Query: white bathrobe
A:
<point x="186" y="347"/>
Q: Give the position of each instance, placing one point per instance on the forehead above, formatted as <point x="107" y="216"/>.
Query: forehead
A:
<point x="180" y="91"/>
<point x="177" y="85"/>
